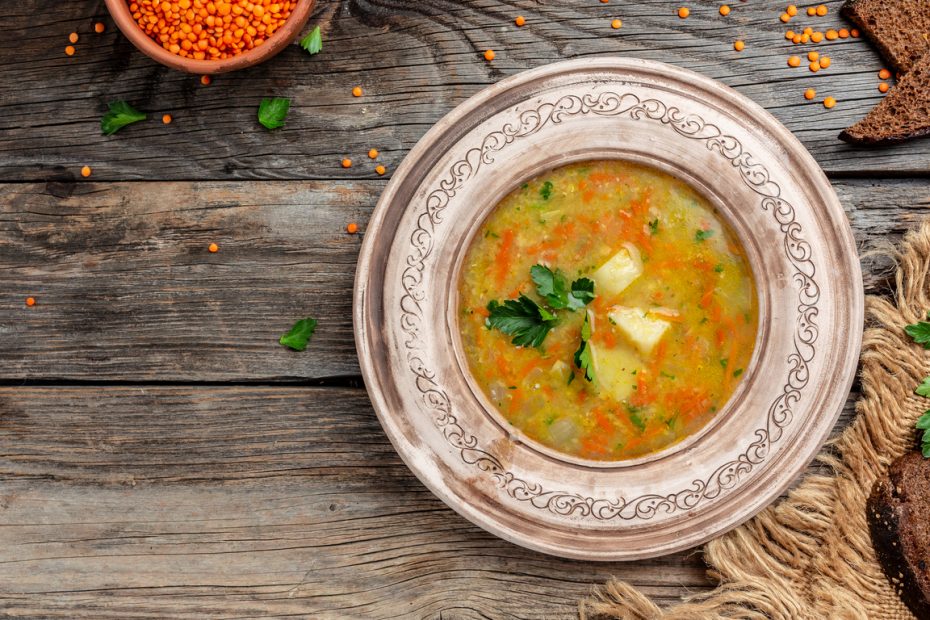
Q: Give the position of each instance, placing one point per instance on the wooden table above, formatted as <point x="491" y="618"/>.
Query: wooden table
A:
<point x="160" y="453"/>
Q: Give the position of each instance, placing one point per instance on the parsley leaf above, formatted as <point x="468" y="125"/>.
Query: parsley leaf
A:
<point x="120" y="115"/>
<point x="582" y="291"/>
<point x="299" y="335"/>
<point x="553" y="287"/>
<point x="701" y="235"/>
<point x="583" y="358"/>
<point x="924" y="388"/>
<point x="522" y="318"/>
<point x="920" y="332"/>
<point x="923" y="424"/>
<point x="313" y="42"/>
<point x="654" y="226"/>
<point x="546" y="190"/>
<point x="637" y="420"/>
<point x="273" y="111"/>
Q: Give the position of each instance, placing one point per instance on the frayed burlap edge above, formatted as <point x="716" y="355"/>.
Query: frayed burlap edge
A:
<point x="810" y="556"/>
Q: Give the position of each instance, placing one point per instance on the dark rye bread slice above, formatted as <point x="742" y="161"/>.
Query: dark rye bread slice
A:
<point x="900" y="29"/>
<point x="898" y="511"/>
<point x="903" y="113"/>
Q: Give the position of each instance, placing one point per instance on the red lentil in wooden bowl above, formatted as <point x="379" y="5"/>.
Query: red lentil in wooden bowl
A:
<point x="210" y="36"/>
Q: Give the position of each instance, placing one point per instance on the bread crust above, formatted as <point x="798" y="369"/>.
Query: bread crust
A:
<point x="897" y="509"/>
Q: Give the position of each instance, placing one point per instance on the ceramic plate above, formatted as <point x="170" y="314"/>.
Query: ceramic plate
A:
<point x="763" y="182"/>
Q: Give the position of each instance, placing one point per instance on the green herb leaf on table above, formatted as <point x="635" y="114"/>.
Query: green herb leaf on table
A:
<point x="273" y="111"/>
<point x="119" y="115"/>
<point x="299" y="335"/>
<point x="522" y="318"/>
<point x="920" y="332"/>
<point x="924" y="388"/>
<point x="923" y="424"/>
<point x="313" y="42"/>
<point x="583" y="358"/>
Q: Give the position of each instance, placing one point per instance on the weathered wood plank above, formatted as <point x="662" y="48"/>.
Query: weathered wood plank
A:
<point x="192" y="502"/>
<point x="127" y="290"/>
<point x="416" y="61"/>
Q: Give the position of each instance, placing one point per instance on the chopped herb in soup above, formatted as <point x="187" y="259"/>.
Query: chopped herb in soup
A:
<point x="607" y="310"/>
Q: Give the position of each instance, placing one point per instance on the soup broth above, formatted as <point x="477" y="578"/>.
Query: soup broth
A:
<point x="607" y="310"/>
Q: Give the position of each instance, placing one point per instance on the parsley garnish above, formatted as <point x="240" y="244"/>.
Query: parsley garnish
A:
<point x="920" y="332"/>
<point x="313" y="42"/>
<point x="718" y="268"/>
<point x="299" y="335"/>
<point x="654" y="226"/>
<point x="120" y="115"/>
<point x="701" y="235"/>
<point x="553" y="287"/>
<point x="923" y="424"/>
<point x="524" y="319"/>
<point x="273" y="111"/>
<point x="546" y="190"/>
<point x="583" y="359"/>
<point x="637" y="421"/>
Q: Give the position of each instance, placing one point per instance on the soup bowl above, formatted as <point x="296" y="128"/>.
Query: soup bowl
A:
<point x="760" y="180"/>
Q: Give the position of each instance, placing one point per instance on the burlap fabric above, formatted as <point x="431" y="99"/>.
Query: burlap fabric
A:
<point x="810" y="555"/>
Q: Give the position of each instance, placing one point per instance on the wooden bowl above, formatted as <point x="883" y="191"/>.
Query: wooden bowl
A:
<point x="762" y="181"/>
<point x="119" y="10"/>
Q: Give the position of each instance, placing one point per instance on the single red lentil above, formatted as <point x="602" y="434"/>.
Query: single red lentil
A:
<point x="843" y="33"/>
<point x="357" y="91"/>
<point x="373" y="153"/>
<point x="724" y="10"/>
<point x="785" y="18"/>
<point x="824" y="62"/>
<point x="832" y="35"/>
<point x="346" y="163"/>
<point x="205" y="80"/>
<point x="85" y="171"/>
<point x="684" y="12"/>
<point x="380" y="169"/>
<point x="794" y="61"/>
<point x="69" y="50"/>
<point x="489" y="55"/>
<point x="615" y="24"/>
<point x="810" y="93"/>
<point x="811" y="11"/>
<point x="816" y="37"/>
<point x="789" y="35"/>
<point x="30" y="301"/>
<point x="520" y="20"/>
<point x="739" y="46"/>
<point x="829" y="102"/>
<point x="99" y="27"/>
<point x="813" y="56"/>
<point x="352" y="228"/>
<point x="792" y="10"/>
<point x="73" y="37"/>
<point x="213" y="248"/>
<point x="884" y="74"/>
<point x="814" y="66"/>
<point x="166" y="119"/>
<point x="883" y="87"/>
<point x="821" y="10"/>
<point x="854" y="33"/>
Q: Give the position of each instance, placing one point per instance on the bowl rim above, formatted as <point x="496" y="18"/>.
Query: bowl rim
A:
<point x="281" y="38"/>
<point x="759" y="491"/>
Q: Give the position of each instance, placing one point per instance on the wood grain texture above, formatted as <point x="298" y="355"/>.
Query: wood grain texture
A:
<point x="127" y="290"/>
<point x="415" y="60"/>
<point x="193" y="502"/>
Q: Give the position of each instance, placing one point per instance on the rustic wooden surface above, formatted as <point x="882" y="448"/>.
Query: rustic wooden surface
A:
<point x="160" y="454"/>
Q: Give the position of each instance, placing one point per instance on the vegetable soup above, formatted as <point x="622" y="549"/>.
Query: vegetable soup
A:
<point x="607" y="310"/>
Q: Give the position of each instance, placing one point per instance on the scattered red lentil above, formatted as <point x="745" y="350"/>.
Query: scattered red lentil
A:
<point x="792" y="10"/>
<point x="814" y="66"/>
<point x="854" y="33"/>
<point x="794" y="61"/>
<point x="805" y="38"/>
<point x="205" y="80"/>
<point x="829" y="102"/>
<point x="811" y="11"/>
<point x="604" y="1"/>
<point x="210" y="29"/>
<point x="214" y="248"/>
<point x="785" y="18"/>
<point x="684" y="12"/>
<point x="85" y="171"/>
<point x="357" y="91"/>
<point x="489" y="55"/>
<point x="724" y="10"/>
<point x="373" y="153"/>
<point x="73" y="37"/>
<point x="380" y="169"/>
<point x="789" y="35"/>
<point x="30" y="301"/>
<point x="832" y="35"/>
<point x="346" y="163"/>
<point x="810" y="93"/>
<point x="808" y="31"/>
<point x="99" y="27"/>
<point x="813" y="56"/>
<point x="816" y="37"/>
<point x="615" y="24"/>
<point x="884" y="74"/>
<point x="69" y="50"/>
<point x="883" y="87"/>
<point x="166" y="119"/>
<point x="520" y="20"/>
<point x="843" y="33"/>
<point x="352" y="228"/>
<point x="739" y="46"/>
<point x="821" y="10"/>
<point x="796" y="38"/>
<point x="825" y="62"/>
